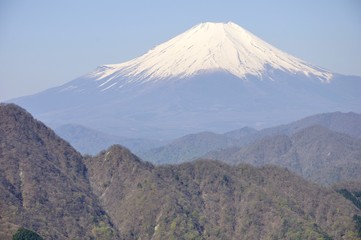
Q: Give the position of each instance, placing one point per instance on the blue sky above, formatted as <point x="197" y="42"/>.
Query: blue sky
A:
<point x="47" y="43"/>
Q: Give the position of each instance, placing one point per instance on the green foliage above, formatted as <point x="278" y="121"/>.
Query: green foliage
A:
<point x="294" y="229"/>
<point x="357" y="220"/>
<point x="26" y="234"/>
<point x="103" y="231"/>
<point x="184" y="227"/>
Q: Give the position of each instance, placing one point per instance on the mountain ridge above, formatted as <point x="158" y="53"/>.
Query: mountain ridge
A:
<point x="90" y="141"/>
<point x="316" y="153"/>
<point x="193" y="146"/>
<point x="212" y="200"/>
<point x="44" y="184"/>
<point x="48" y="187"/>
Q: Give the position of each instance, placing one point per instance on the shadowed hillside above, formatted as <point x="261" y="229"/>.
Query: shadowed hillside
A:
<point x="44" y="184"/>
<point x="196" y="145"/>
<point x="48" y="188"/>
<point x="316" y="153"/>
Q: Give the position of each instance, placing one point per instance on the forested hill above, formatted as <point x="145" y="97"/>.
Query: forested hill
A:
<point x="49" y="188"/>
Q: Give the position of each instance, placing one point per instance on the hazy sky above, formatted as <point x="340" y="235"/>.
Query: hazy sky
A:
<point x="47" y="43"/>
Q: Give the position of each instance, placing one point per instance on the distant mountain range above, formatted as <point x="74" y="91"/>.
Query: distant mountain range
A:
<point x="315" y="153"/>
<point x="214" y="77"/>
<point x="48" y="187"/>
<point x="195" y="145"/>
<point x="337" y="155"/>
<point x="90" y="141"/>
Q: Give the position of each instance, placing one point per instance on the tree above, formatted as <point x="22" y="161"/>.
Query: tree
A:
<point x="357" y="220"/>
<point x="26" y="234"/>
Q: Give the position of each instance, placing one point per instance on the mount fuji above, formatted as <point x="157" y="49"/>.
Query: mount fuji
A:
<point x="213" y="77"/>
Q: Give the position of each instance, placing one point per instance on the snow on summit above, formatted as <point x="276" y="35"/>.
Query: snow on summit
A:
<point x="209" y="47"/>
<point x="213" y="77"/>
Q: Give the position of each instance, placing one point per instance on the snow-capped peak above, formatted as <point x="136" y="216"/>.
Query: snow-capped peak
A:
<point x="210" y="47"/>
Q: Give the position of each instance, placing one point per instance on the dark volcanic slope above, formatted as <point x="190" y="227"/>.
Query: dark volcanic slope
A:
<point x="316" y="153"/>
<point x="212" y="200"/>
<point x="44" y="184"/>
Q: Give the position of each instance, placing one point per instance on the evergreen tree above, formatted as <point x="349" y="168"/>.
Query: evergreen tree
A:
<point x="25" y="234"/>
